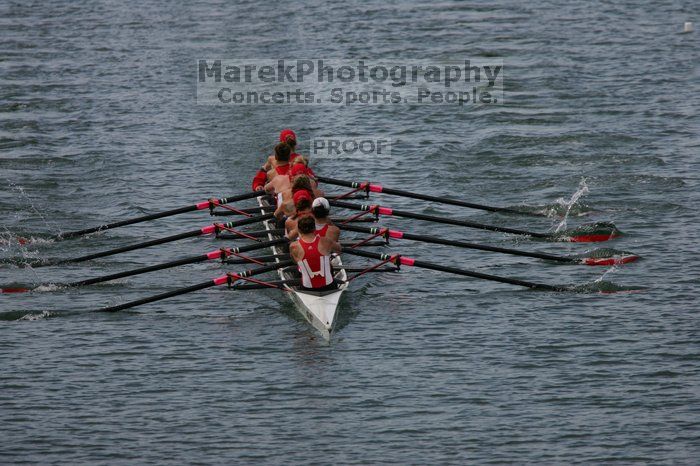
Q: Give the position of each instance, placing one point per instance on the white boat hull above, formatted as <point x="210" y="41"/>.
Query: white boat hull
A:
<point x="319" y="309"/>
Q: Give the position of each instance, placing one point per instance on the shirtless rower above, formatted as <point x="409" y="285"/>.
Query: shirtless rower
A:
<point x="320" y="208"/>
<point x="312" y="253"/>
<point x="302" y="206"/>
<point x="285" y="199"/>
<point x="282" y="166"/>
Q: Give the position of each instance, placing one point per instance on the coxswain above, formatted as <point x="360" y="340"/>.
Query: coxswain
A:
<point x="302" y="208"/>
<point x="288" y="137"/>
<point x="312" y="253"/>
<point x="320" y="208"/>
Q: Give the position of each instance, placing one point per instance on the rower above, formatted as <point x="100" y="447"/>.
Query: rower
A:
<point x="285" y="199"/>
<point x="280" y="184"/>
<point x="312" y="253"/>
<point x="320" y="209"/>
<point x="282" y="152"/>
<point x="302" y="206"/>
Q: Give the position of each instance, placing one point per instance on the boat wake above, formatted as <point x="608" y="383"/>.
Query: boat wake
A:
<point x="606" y="287"/>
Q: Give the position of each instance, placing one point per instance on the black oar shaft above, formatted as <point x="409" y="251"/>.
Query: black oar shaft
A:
<point x="159" y="297"/>
<point x="141" y="270"/>
<point x="227" y="212"/>
<point x="190" y="289"/>
<point x="146" y="218"/>
<point x="424" y="197"/>
<point x="133" y="247"/>
<point x="457" y="271"/>
<point x="448" y="221"/>
<point x="132" y="221"/>
<point x="266" y="258"/>
<point x="180" y="262"/>
<point x="254" y="234"/>
<point x="462" y="244"/>
<point x="155" y="242"/>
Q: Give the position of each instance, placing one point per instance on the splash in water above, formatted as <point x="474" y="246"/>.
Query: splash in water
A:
<point x="30" y="204"/>
<point x="567" y="205"/>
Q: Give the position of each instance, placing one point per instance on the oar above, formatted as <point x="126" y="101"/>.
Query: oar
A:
<point x="376" y="188"/>
<point x="257" y="259"/>
<point x="213" y="255"/>
<point x="601" y="231"/>
<point x="222" y="280"/>
<point x="208" y="230"/>
<point x="603" y="260"/>
<point x="398" y="259"/>
<point x="210" y="204"/>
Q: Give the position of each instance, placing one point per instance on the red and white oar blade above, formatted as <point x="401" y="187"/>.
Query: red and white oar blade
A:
<point x="589" y="233"/>
<point x="606" y="257"/>
<point x="15" y="289"/>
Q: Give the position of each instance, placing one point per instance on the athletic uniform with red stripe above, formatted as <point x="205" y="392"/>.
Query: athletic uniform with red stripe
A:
<point x="315" y="268"/>
<point x="322" y="229"/>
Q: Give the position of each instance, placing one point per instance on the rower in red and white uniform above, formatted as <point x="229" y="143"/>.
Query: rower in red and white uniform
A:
<point x="302" y="206"/>
<point x="282" y="152"/>
<point x="320" y="208"/>
<point x="312" y="253"/>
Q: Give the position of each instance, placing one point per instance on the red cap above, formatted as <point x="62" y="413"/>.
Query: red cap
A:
<point x="287" y="133"/>
<point x="298" y="169"/>
<point x="301" y="194"/>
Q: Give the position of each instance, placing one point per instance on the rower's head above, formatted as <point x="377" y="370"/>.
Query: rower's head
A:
<point x="288" y="137"/>
<point x="320" y="207"/>
<point x="302" y="200"/>
<point x="302" y="194"/>
<point x="304" y="205"/>
<point x="301" y="182"/>
<point x="301" y="159"/>
<point x="306" y="225"/>
<point x="282" y="152"/>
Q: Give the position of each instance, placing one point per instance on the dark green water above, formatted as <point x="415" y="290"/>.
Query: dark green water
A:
<point x="98" y="122"/>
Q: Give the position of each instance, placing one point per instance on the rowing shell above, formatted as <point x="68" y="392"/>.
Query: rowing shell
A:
<point x="319" y="308"/>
